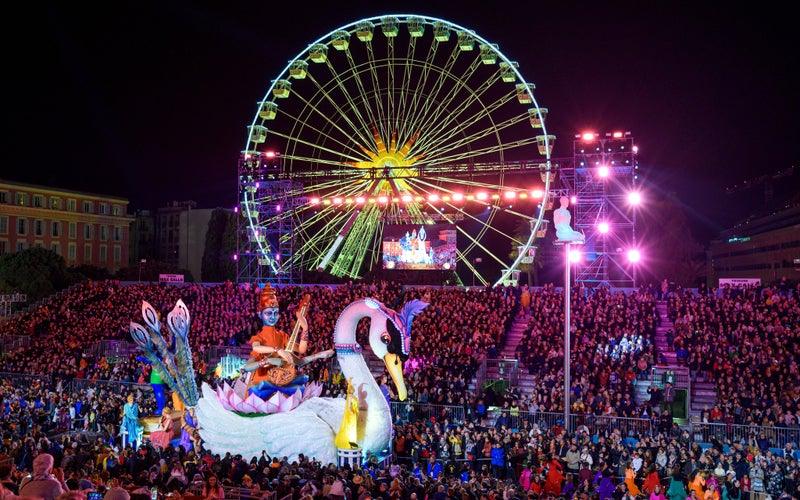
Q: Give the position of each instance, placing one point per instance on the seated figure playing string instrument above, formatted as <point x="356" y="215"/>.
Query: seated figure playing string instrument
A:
<point x="272" y="359"/>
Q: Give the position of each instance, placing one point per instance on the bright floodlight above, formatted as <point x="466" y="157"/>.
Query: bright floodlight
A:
<point x="603" y="227"/>
<point x="603" y="171"/>
<point x="634" y="198"/>
<point x="634" y="255"/>
<point x="574" y="256"/>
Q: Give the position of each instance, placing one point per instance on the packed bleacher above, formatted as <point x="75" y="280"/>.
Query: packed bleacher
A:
<point x="448" y="443"/>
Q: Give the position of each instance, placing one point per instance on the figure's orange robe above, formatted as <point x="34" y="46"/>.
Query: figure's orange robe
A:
<point x="268" y="336"/>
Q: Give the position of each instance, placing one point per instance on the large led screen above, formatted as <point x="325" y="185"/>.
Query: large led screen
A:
<point x="419" y="246"/>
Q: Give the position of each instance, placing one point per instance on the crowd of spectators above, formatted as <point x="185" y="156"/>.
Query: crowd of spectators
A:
<point x="724" y="333"/>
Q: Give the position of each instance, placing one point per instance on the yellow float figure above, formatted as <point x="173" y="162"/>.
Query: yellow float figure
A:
<point x="347" y="437"/>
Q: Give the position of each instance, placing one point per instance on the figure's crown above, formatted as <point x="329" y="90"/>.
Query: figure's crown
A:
<point x="267" y="298"/>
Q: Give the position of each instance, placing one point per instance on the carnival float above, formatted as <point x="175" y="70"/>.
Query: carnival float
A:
<point x="296" y="421"/>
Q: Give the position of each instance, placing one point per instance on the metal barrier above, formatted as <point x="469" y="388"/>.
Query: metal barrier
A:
<point x="114" y="386"/>
<point x="20" y="380"/>
<point x="777" y="437"/>
<point x="14" y="342"/>
<point x="592" y="424"/>
<point x="410" y="412"/>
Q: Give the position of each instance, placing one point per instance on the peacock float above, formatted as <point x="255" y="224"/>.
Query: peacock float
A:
<point x="300" y="423"/>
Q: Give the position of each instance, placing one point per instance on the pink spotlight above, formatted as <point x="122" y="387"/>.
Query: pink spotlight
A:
<point x="481" y="196"/>
<point x="510" y="195"/>
<point x="383" y="199"/>
<point x="603" y="227"/>
<point x="360" y="199"/>
<point x="270" y="154"/>
<point x="433" y="197"/>
<point x="314" y="201"/>
<point x="573" y="199"/>
<point x="278" y="208"/>
<point x="603" y="171"/>
<point x="337" y="200"/>
<point x="574" y="256"/>
<point x="634" y="198"/>
<point x="537" y="193"/>
<point x="634" y="256"/>
<point x="458" y="196"/>
<point x="407" y="198"/>
<point x="587" y="136"/>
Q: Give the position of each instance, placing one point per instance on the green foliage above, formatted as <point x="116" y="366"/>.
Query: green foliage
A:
<point x="36" y="272"/>
<point x="671" y="250"/>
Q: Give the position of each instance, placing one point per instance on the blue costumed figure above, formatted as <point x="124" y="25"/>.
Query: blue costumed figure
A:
<point x="130" y="427"/>
<point x="273" y="359"/>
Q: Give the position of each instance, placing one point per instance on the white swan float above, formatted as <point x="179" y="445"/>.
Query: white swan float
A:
<point x="311" y="427"/>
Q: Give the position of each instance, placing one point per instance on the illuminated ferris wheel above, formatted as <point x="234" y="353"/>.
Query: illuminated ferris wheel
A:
<point x="386" y="126"/>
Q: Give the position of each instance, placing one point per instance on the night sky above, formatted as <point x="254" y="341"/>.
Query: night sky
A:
<point x="151" y="100"/>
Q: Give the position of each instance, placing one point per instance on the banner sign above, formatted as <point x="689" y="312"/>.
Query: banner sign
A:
<point x="170" y="278"/>
<point x="733" y="282"/>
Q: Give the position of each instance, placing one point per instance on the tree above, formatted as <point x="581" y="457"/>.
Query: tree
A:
<point x="672" y="252"/>
<point x="36" y="272"/>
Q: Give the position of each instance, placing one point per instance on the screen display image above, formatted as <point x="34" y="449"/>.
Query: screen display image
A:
<point x="419" y="246"/>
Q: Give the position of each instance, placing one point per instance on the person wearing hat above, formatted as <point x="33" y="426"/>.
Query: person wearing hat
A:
<point x="42" y="483"/>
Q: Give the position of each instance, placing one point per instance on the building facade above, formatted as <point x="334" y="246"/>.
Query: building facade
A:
<point x="84" y="228"/>
<point x="766" y="248"/>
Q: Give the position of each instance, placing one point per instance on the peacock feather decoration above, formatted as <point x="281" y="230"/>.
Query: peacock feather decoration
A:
<point x="171" y="357"/>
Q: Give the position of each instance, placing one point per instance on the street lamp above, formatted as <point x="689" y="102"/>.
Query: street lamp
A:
<point x="141" y="261"/>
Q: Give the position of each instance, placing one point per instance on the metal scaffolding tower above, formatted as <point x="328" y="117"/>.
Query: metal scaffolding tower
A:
<point x="266" y="232"/>
<point x="603" y="173"/>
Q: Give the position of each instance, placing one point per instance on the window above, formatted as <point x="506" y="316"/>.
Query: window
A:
<point x="38" y="228"/>
<point x="55" y="229"/>
<point x="3" y="247"/>
<point x="119" y="234"/>
<point x="71" y="249"/>
<point x="87" y="253"/>
<point x="22" y="226"/>
<point x="22" y="245"/>
<point x="102" y="208"/>
<point x="72" y="205"/>
<point x="73" y="230"/>
<point x="55" y="203"/>
<point x="103" y="254"/>
<point x="117" y="255"/>
<point x="38" y="244"/>
<point x="87" y="207"/>
<point x="116" y="210"/>
<point x="3" y="224"/>
<point x="88" y="231"/>
<point x="38" y="201"/>
<point x="55" y="248"/>
<point x="21" y="199"/>
<point x="5" y="197"/>
<point x="103" y="232"/>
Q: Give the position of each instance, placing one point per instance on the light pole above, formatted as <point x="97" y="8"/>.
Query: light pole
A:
<point x="141" y="261"/>
<point x="476" y="260"/>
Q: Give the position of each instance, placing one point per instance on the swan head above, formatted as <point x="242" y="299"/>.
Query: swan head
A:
<point x="392" y="340"/>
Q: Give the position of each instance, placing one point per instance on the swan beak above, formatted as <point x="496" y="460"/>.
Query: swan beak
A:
<point x="395" y="367"/>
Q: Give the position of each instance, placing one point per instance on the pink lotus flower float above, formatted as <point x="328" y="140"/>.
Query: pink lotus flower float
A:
<point x="277" y="403"/>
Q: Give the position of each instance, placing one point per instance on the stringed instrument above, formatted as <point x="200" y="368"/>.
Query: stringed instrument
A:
<point x="286" y="372"/>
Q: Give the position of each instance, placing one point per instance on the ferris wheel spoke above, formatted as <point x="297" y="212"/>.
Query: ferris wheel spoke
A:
<point x="442" y="110"/>
<point x="323" y="94"/>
